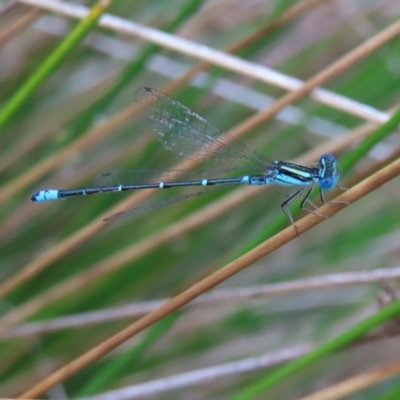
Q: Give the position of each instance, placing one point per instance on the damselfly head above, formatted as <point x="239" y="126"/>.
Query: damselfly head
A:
<point x="329" y="173"/>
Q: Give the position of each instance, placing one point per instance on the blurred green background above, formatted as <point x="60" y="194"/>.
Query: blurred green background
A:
<point x="59" y="260"/>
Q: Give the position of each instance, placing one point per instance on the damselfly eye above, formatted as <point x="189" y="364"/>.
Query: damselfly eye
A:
<point x="327" y="183"/>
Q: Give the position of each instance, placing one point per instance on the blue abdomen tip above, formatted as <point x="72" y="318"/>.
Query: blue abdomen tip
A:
<point x="44" y="195"/>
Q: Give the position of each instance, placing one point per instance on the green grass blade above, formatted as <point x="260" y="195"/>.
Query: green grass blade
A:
<point x="348" y="161"/>
<point x="342" y="340"/>
<point x="50" y="64"/>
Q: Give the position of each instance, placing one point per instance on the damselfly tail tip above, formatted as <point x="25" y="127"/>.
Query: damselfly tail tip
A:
<point x="35" y="197"/>
<point x="45" y="195"/>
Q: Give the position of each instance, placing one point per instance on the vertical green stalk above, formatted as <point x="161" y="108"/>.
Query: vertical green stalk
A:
<point x="335" y="344"/>
<point x="52" y="62"/>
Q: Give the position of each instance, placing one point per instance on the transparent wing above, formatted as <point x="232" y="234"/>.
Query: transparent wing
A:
<point x="151" y="206"/>
<point x="185" y="133"/>
<point x="138" y="176"/>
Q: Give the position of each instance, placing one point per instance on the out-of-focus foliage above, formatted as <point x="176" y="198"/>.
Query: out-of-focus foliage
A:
<point x="76" y="99"/>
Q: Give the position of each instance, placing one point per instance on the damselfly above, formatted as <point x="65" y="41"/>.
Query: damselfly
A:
<point x="185" y="133"/>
